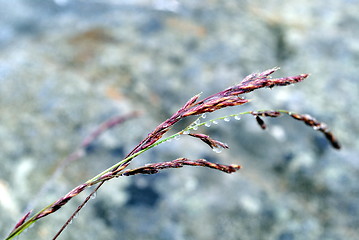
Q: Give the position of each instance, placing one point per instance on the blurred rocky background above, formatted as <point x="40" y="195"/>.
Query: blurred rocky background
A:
<point x="66" y="66"/>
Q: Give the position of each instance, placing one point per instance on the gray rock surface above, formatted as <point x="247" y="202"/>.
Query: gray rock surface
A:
<point x="66" y="66"/>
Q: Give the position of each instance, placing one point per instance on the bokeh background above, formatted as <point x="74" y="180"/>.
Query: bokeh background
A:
<point x="66" y="66"/>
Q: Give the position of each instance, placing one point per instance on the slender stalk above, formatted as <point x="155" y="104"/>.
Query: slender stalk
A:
<point x="77" y="211"/>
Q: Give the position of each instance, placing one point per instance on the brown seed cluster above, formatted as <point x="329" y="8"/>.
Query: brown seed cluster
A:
<point x="226" y="98"/>
<point x="178" y="163"/>
<point x="319" y="126"/>
<point x="209" y="141"/>
<point x="306" y="118"/>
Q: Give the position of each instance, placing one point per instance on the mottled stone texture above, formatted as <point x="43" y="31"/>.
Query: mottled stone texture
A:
<point x="66" y="66"/>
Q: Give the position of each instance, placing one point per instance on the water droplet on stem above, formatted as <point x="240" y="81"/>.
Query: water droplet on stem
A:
<point x="93" y="196"/>
<point x="316" y="127"/>
<point x="217" y="150"/>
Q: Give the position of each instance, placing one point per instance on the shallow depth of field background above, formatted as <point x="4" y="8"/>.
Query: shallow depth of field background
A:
<point x="66" y="66"/>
